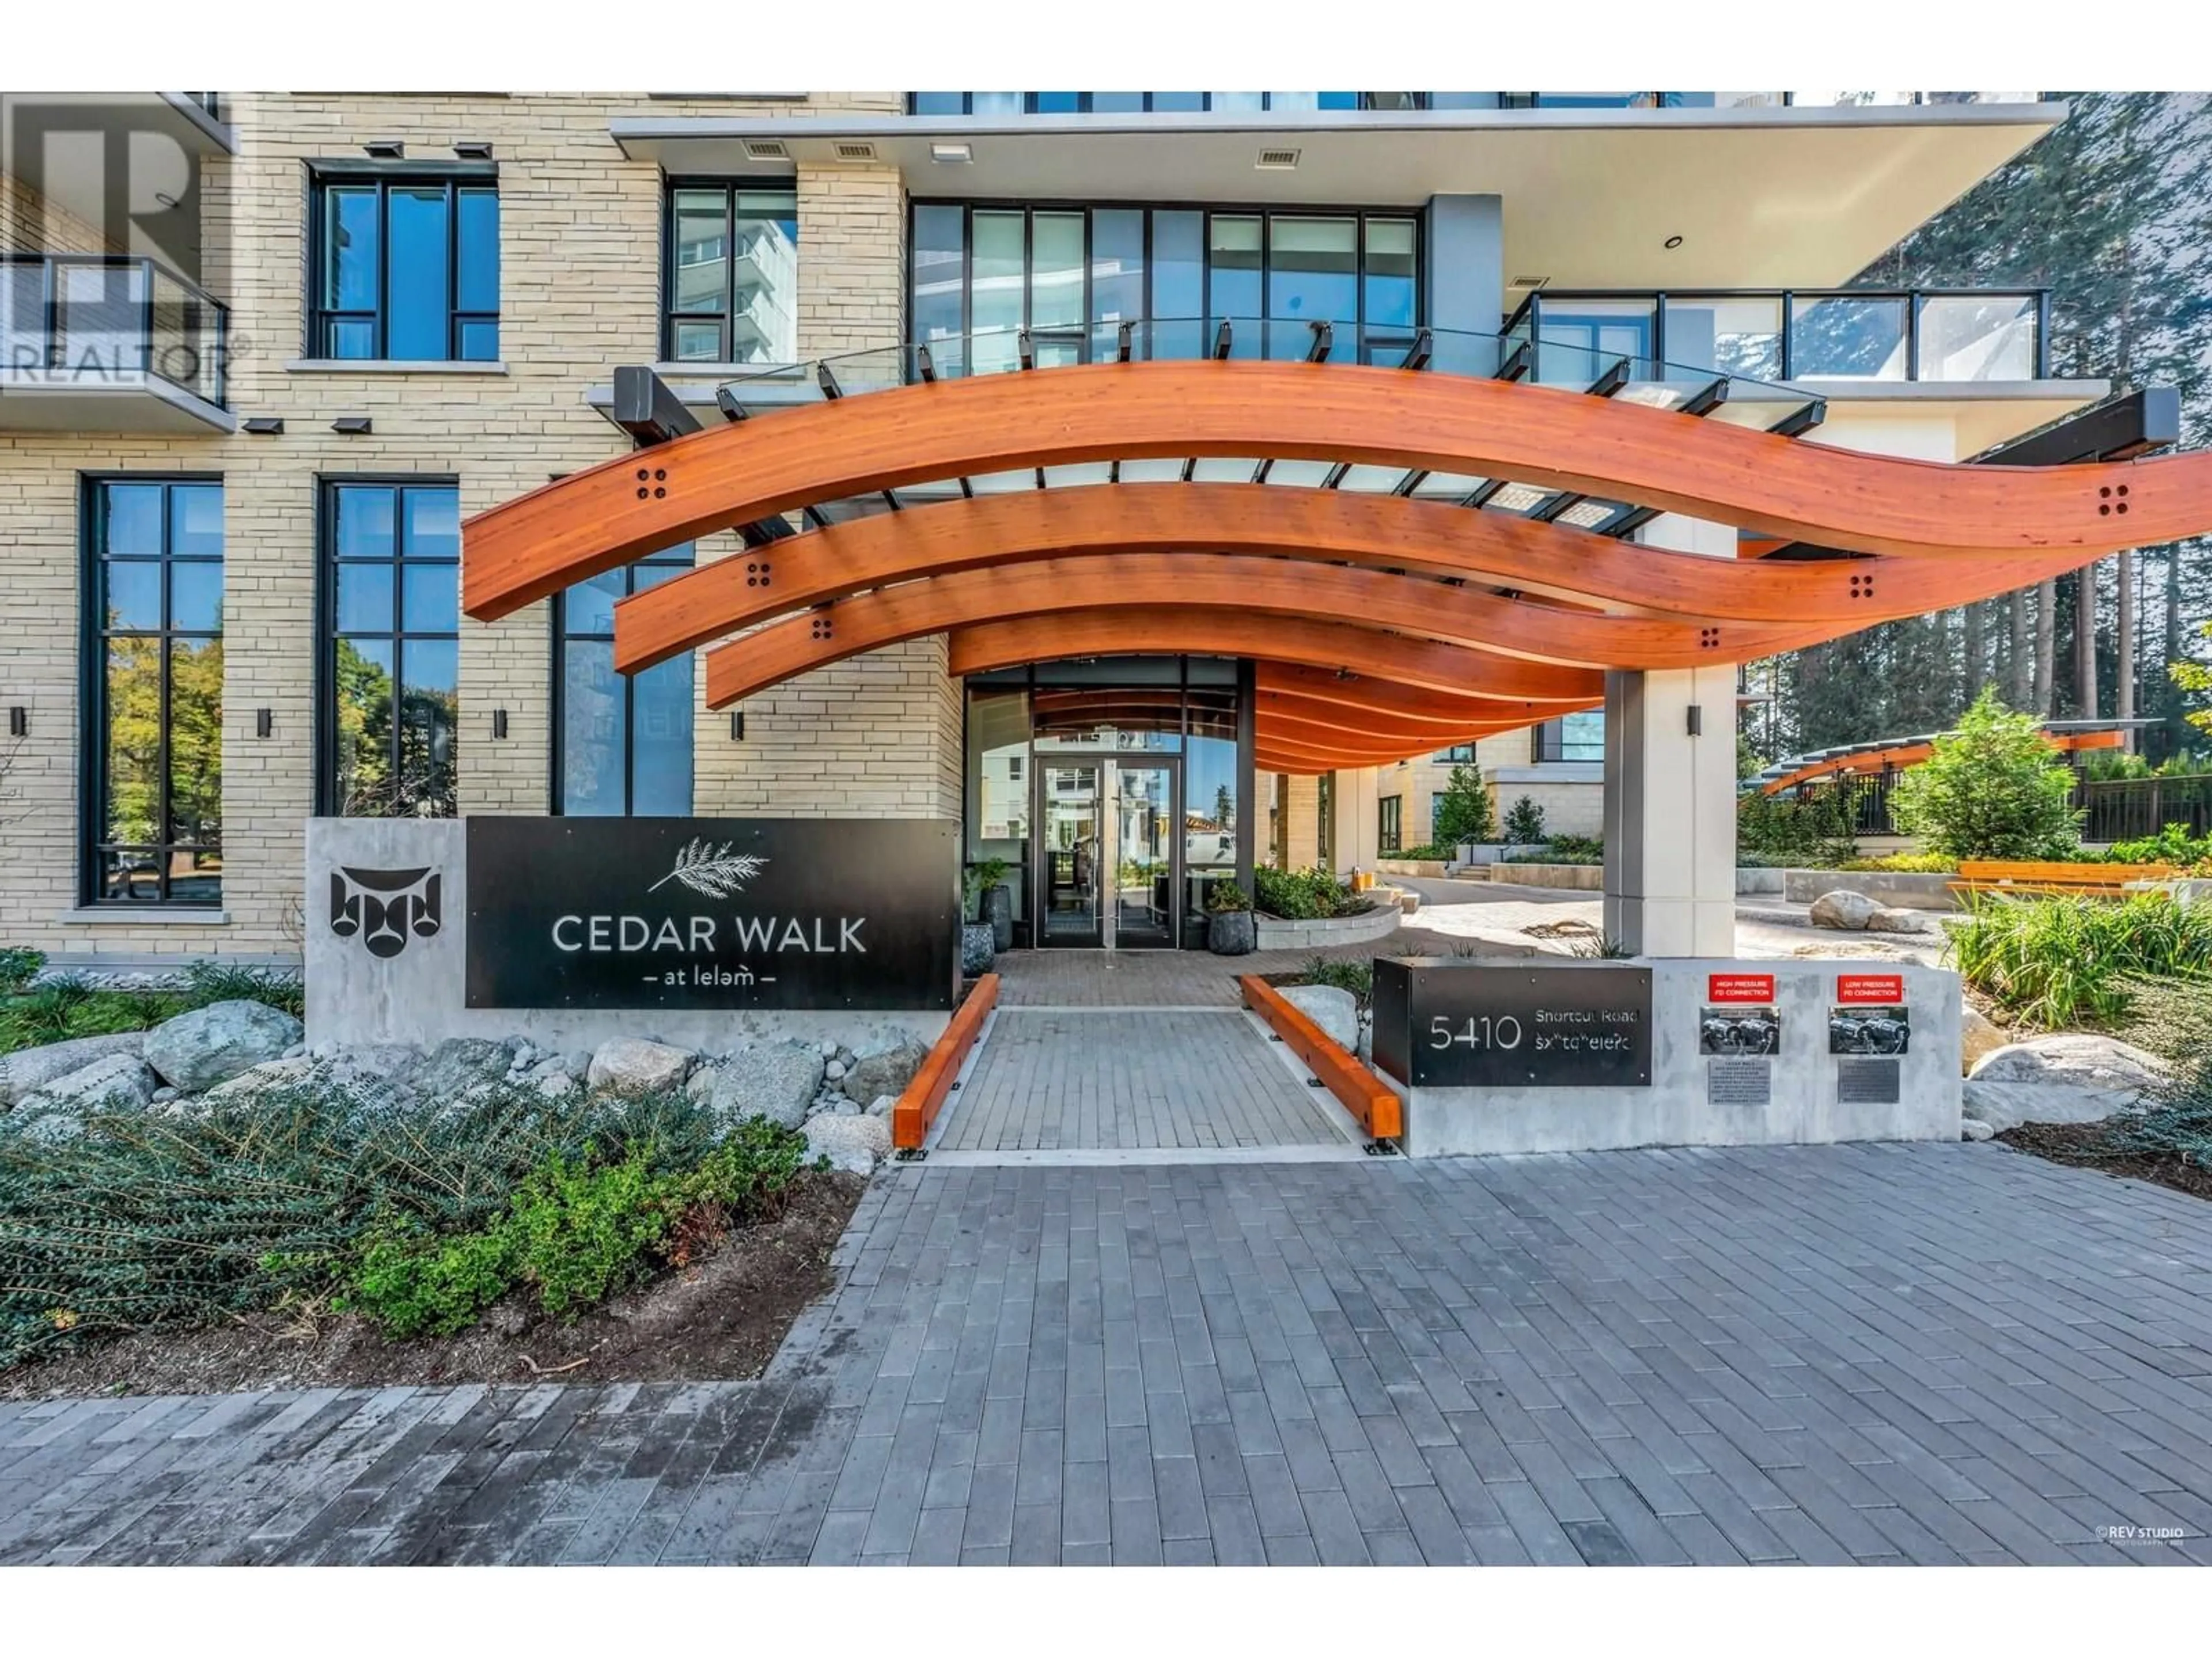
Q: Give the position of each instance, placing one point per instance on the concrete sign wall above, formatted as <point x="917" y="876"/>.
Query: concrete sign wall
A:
<point x="1741" y="1053"/>
<point x="386" y="923"/>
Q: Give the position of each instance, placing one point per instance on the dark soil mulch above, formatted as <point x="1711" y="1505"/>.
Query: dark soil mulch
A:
<point x="2088" y="1146"/>
<point x="720" y="1319"/>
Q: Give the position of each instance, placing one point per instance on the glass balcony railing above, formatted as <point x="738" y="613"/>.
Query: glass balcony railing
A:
<point x="1947" y="335"/>
<point x="1131" y="103"/>
<point x="1692" y="390"/>
<point x="77" y="319"/>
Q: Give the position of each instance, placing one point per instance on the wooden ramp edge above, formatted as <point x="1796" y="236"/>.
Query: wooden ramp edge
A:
<point x="924" y="1097"/>
<point x="1370" y="1101"/>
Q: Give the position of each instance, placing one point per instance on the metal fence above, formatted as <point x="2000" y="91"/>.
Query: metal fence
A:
<point x="2113" y="808"/>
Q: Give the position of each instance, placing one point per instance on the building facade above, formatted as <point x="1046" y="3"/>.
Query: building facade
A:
<point x="243" y="418"/>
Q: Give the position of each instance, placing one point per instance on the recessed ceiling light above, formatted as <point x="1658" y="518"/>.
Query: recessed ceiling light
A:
<point x="952" y="152"/>
<point x="1674" y="241"/>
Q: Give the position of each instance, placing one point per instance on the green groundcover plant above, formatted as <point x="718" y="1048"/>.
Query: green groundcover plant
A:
<point x="2064" y="961"/>
<point x="420" y="1219"/>
<point x="68" y="1005"/>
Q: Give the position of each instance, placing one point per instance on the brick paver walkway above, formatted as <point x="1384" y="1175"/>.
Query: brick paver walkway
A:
<point x="1835" y="1353"/>
<point x="1049" y="1079"/>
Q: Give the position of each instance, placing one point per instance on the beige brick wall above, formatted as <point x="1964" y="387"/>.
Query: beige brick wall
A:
<point x="31" y="224"/>
<point x="579" y="271"/>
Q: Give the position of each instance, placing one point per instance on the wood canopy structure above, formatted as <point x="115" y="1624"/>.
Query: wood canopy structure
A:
<point x="1899" y="754"/>
<point x="1385" y="624"/>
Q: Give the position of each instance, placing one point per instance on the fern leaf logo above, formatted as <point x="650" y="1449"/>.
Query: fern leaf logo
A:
<point x="714" y="871"/>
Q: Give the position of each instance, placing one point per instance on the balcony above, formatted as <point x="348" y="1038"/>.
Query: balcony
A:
<point x="1189" y="103"/>
<point x="102" y="343"/>
<point x="1948" y="336"/>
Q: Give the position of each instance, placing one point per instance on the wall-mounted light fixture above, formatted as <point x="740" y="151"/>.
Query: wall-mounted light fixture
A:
<point x="737" y="725"/>
<point x="1697" y="720"/>
<point x="473" y="149"/>
<point x="499" y="722"/>
<point x="265" y="426"/>
<point x="264" y="722"/>
<point x="19" y="721"/>
<point x="385" y="149"/>
<point x="353" y="426"/>
<point x="954" y="154"/>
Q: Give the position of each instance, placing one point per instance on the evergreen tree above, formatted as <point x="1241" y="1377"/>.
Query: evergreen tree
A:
<point x="1463" y="811"/>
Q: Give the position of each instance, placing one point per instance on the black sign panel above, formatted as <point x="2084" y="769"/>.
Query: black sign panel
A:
<point x="1440" y="1022"/>
<point x="712" y="913"/>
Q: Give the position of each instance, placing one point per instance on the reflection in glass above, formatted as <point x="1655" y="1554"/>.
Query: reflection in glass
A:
<point x="1848" y="338"/>
<point x="625" y="743"/>
<point x="1726" y="334"/>
<point x="1389" y="273"/>
<point x="1313" y="270"/>
<point x="415" y="302"/>
<point x="1071" y="845"/>
<point x="395" y="670"/>
<point x="352" y="255"/>
<point x="998" y="787"/>
<point x="157" y="725"/>
<point x="940" y="250"/>
<point x="1213" y="803"/>
<point x="995" y="298"/>
<point x="1233" y="269"/>
<point x="1143" y="873"/>
<point x="1057" y="273"/>
<point x="1178" y="282"/>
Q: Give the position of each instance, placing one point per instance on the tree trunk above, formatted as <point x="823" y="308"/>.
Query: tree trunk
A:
<point x="1971" y="654"/>
<point x="2016" y="648"/>
<point x="2124" y="648"/>
<point x="2046" y="646"/>
<point x="2085" y="642"/>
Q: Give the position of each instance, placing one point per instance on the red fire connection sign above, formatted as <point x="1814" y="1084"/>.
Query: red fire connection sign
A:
<point x="1870" y="987"/>
<point x="1740" y="987"/>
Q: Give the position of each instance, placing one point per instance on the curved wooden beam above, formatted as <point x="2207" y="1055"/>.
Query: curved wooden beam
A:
<point x="1365" y="696"/>
<point x="1390" y="531"/>
<point x="1393" y="744"/>
<point x="738" y="473"/>
<point x="1272" y="708"/>
<point x="1898" y="756"/>
<point x="1108" y="631"/>
<point x="1526" y="635"/>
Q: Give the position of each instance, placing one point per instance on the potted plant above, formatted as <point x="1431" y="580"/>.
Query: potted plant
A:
<point x="979" y="939"/>
<point x="991" y="900"/>
<point x="1230" y="930"/>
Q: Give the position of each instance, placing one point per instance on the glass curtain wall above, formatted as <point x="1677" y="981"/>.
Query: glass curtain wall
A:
<point x="1071" y="274"/>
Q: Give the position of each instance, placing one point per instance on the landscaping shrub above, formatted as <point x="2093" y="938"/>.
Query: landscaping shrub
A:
<point x="2172" y="844"/>
<point x="414" y="1284"/>
<point x="1578" y="849"/>
<point x="138" y="1220"/>
<point x="1992" y="789"/>
<point x="1908" y="864"/>
<point x="18" y="968"/>
<point x="1524" y="824"/>
<point x="1357" y="977"/>
<point x="2173" y="1018"/>
<point x="1813" y="830"/>
<point x="69" y="1005"/>
<point x="2054" y="963"/>
<point x="1464" y="811"/>
<point x="1225" y="899"/>
<point x="1304" y="895"/>
<point x="1428" y="850"/>
<point x="215" y="981"/>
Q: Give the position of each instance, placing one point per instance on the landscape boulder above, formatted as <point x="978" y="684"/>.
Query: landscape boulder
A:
<point x="885" y="1071"/>
<point x="632" y="1066"/>
<point x="1888" y="920"/>
<point x="286" y="1072"/>
<point x="1973" y="1128"/>
<point x="207" y="1046"/>
<point x="2068" y="1077"/>
<point x="1977" y="1036"/>
<point x="28" y="1070"/>
<point x="774" y="1080"/>
<point x="852" y="1142"/>
<point x="1336" y="1011"/>
<point x="1844" y="910"/>
<point x="111" y="1083"/>
<point x="458" y="1064"/>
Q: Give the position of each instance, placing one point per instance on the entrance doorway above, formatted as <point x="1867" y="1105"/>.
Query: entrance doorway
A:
<point x="1108" y="872"/>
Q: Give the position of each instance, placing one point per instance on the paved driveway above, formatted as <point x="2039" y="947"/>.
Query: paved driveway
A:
<point x="1823" y="1354"/>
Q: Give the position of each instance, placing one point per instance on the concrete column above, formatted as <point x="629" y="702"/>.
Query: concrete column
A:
<point x="1464" y="275"/>
<point x="1670" y="795"/>
<point x="1358" y="827"/>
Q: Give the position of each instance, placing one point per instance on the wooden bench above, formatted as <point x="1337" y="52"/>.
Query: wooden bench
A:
<point x="1979" y="875"/>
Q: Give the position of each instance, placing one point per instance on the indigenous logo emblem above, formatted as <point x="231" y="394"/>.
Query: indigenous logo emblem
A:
<point x="385" y="907"/>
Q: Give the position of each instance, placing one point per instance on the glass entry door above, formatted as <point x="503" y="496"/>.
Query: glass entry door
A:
<point x="1106" y="853"/>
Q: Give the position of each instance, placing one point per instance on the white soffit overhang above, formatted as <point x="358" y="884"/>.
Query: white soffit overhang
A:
<point x="1761" y="198"/>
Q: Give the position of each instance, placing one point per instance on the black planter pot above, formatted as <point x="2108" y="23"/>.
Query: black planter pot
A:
<point x="998" y="911"/>
<point x="1232" y="932"/>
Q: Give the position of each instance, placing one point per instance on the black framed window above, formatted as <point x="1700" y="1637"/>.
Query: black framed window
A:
<point x="1572" y="737"/>
<point x="1071" y="274"/>
<point x="153" y="692"/>
<point x="1460" y="754"/>
<point x="390" y="702"/>
<point x="1391" y="830"/>
<point x="406" y="270"/>
<point x="622" y="743"/>
<point x="732" y="256"/>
